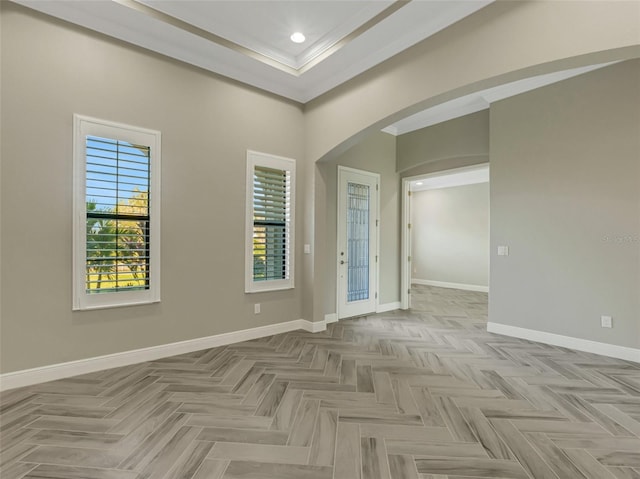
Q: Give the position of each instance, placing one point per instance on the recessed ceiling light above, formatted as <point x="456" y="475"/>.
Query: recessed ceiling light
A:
<point x="419" y="183"/>
<point x="297" y="37"/>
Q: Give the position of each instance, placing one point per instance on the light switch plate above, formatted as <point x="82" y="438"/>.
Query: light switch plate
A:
<point x="503" y="251"/>
<point x="606" y="321"/>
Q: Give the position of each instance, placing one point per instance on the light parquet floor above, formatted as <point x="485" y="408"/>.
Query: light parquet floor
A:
<point x="426" y="394"/>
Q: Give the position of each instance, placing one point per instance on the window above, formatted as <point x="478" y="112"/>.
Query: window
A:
<point x="270" y="222"/>
<point x="117" y="214"/>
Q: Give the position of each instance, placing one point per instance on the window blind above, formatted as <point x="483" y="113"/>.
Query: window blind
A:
<point x="118" y="220"/>
<point x="271" y="223"/>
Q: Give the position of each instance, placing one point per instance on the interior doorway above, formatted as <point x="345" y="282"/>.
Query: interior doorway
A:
<point x="460" y="246"/>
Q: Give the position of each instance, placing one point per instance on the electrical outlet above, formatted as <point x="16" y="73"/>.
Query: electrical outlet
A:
<point x="606" y="321"/>
<point x="256" y="308"/>
<point x="503" y="251"/>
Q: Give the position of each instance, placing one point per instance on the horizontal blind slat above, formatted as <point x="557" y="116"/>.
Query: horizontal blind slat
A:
<point x="271" y="204"/>
<point x="117" y="195"/>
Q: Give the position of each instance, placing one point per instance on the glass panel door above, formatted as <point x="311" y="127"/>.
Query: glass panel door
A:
<point x="358" y="206"/>
<point x="357" y="242"/>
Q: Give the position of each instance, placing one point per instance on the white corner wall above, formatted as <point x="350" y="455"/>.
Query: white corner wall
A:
<point x="450" y="237"/>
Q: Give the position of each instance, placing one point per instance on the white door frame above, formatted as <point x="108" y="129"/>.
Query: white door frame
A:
<point x="405" y="245"/>
<point x="374" y="287"/>
<point x="405" y="228"/>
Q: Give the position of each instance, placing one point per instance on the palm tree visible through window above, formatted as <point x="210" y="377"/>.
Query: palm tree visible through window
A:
<point x="117" y="235"/>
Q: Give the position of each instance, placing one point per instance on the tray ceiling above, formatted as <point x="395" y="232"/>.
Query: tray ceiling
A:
<point x="249" y="40"/>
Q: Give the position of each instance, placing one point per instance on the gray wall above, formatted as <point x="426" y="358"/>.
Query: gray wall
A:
<point x="503" y="42"/>
<point x="450" y="235"/>
<point x="375" y="154"/>
<point x="463" y="139"/>
<point x="565" y="197"/>
<point x="51" y="70"/>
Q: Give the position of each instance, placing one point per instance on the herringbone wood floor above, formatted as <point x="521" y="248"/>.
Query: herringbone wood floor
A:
<point x="427" y="394"/>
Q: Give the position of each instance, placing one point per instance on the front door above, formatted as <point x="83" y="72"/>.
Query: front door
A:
<point x="357" y="242"/>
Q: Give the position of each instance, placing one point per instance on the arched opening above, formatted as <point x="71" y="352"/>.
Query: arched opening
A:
<point x="561" y="113"/>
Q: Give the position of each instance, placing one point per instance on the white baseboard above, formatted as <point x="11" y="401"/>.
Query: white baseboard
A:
<point x="444" y="284"/>
<point x="314" y="326"/>
<point x="52" y="372"/>
<point x="331" y="318"/>
<point x="604" y="349"/>
<point x="383" y="308"/>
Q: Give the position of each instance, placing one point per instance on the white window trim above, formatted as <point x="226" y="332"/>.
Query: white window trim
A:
<point x="82" y="127"/>
<point x="255" y="158"/>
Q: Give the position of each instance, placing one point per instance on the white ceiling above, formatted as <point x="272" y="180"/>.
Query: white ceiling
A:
<point x="460" y="177"/>
<point x="249" y="40"/>
<point x="265" y="27"/>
